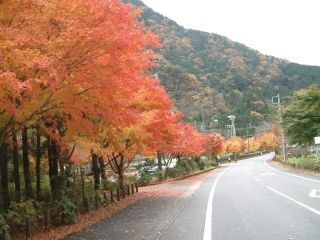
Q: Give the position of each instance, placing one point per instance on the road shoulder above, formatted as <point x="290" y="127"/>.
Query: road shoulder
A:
<point x="105" y="213"/>
<point x="286" y="168"/>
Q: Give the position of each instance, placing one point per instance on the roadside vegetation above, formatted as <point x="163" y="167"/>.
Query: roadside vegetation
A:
<point x="78" y="101"/>
<point x="301" y="123"/>
<point x="78" y="104"/>
<point x="307" y="163"/>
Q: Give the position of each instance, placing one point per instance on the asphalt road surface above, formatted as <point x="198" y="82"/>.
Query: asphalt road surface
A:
<point x="246" y="200"/>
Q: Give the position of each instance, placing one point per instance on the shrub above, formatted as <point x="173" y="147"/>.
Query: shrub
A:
<point x="144" y="179"/>
<point x="109" y="185"/>
<point x="213" y="163"/>
<point x="4" y="228"/>
<point x="186" y="165"/>
<point x="67" y="211"/>
<point x="307" y="163"/>
<point x="159" y="175"/>
<point x="19" y="212"/>
<point x="128" y="180"/>
<point x="175" y="172"/>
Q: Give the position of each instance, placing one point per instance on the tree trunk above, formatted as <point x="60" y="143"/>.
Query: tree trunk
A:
<point x="38" y="162"/>
<point x="16" y="173"/>
<point x="26" y="163"/>
<point x="121" y="178"/>
<point x="120" y="171"/>
<point x="49" y="148"/>
<point x="4" y="176"/>
<point x="168" y="162"/>
<point x="159" y="161"/>
<point x="83" y="191"/>
<point x="53" y="156"/>
<point x="96" y="176"/>
<point x="102" y="168"/>
<point x="96" y="171"/>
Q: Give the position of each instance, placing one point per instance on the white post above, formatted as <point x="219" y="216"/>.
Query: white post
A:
<point x="317" y="143"/>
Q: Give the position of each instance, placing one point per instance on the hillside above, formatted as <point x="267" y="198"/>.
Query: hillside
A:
<point x="209" y="75"/>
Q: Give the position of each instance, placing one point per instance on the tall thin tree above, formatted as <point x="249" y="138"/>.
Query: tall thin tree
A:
<point x="15" y="158"/>
<point x="26" y="163"/>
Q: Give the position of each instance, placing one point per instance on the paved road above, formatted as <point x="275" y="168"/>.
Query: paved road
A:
<point x="245" y="200"/>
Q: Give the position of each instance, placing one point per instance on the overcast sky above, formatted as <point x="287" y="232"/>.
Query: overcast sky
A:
<point x="288" y="29"/>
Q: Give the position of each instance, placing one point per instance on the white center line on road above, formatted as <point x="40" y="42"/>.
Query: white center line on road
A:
<point x="267" y="174"/>
<point x="257" y="179"/>
<point x="208" y="220"/>
<point x="295" y="201"/>
<point x="289" y="174"/>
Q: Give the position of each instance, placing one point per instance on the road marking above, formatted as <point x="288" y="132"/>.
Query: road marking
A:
<point x="289" y="174"/>
<point x="295" y="201"/>
<point x="208" y="220"/>
<point x="257" y="179"/>
<point x="314" y="193"/>
<point x="267" y="174"/>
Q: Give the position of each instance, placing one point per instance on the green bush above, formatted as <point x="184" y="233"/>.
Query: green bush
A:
<point x="186" y="165"/>
<point x="307" y="163"/>
<point x="213" y="163"/>
<point x="128" y="180"/>
<point x="144" y="179"/>
<point x="109" y="185"/>
<point x="19" y="212"/>
<point x="4" y="228"/>
<point x="159" y="175"/>
<point x="175" y="172"/>
<point x="206" y="163"/>
<point x="67" y="211"/>
<point x="202" y="164"/>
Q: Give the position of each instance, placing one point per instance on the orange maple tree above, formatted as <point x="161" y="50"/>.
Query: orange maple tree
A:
<point x="215" y="144"/>
<point x="77" y="71"/>
<point x="270" y="140"/>
<point x="252" y="144"/>
<point x="235" y="145"/>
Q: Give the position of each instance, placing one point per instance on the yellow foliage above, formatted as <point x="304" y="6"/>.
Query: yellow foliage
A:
<point x="235" y="145"/>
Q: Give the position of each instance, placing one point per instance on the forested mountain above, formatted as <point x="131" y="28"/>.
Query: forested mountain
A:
<point x="209" y="76"/>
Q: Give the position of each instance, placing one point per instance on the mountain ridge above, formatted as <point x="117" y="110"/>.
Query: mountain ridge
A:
<point x="210" y="76"/>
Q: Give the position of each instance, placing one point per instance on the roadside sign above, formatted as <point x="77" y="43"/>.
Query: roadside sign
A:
<point x="317" y="140"/>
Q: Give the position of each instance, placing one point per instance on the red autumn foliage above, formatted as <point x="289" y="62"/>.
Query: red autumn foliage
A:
<point x="215" y="144"/>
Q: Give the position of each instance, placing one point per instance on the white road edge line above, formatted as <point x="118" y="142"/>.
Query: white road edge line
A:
<point x="289" y="174"/>
<point x="208" y="220"/>
<point x="295" y="201"/>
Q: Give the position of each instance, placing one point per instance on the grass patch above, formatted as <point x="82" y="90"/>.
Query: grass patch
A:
<point x="307" y="163"/>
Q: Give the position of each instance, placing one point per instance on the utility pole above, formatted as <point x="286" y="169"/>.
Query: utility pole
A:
<point x="233" y="127"/>
<point x="277" y="102"/>
<point x="248" y="141"/>
<point x="203" y="128"/>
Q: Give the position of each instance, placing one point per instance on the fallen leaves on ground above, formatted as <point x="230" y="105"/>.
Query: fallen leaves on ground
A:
<point x="170" y="188"/>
